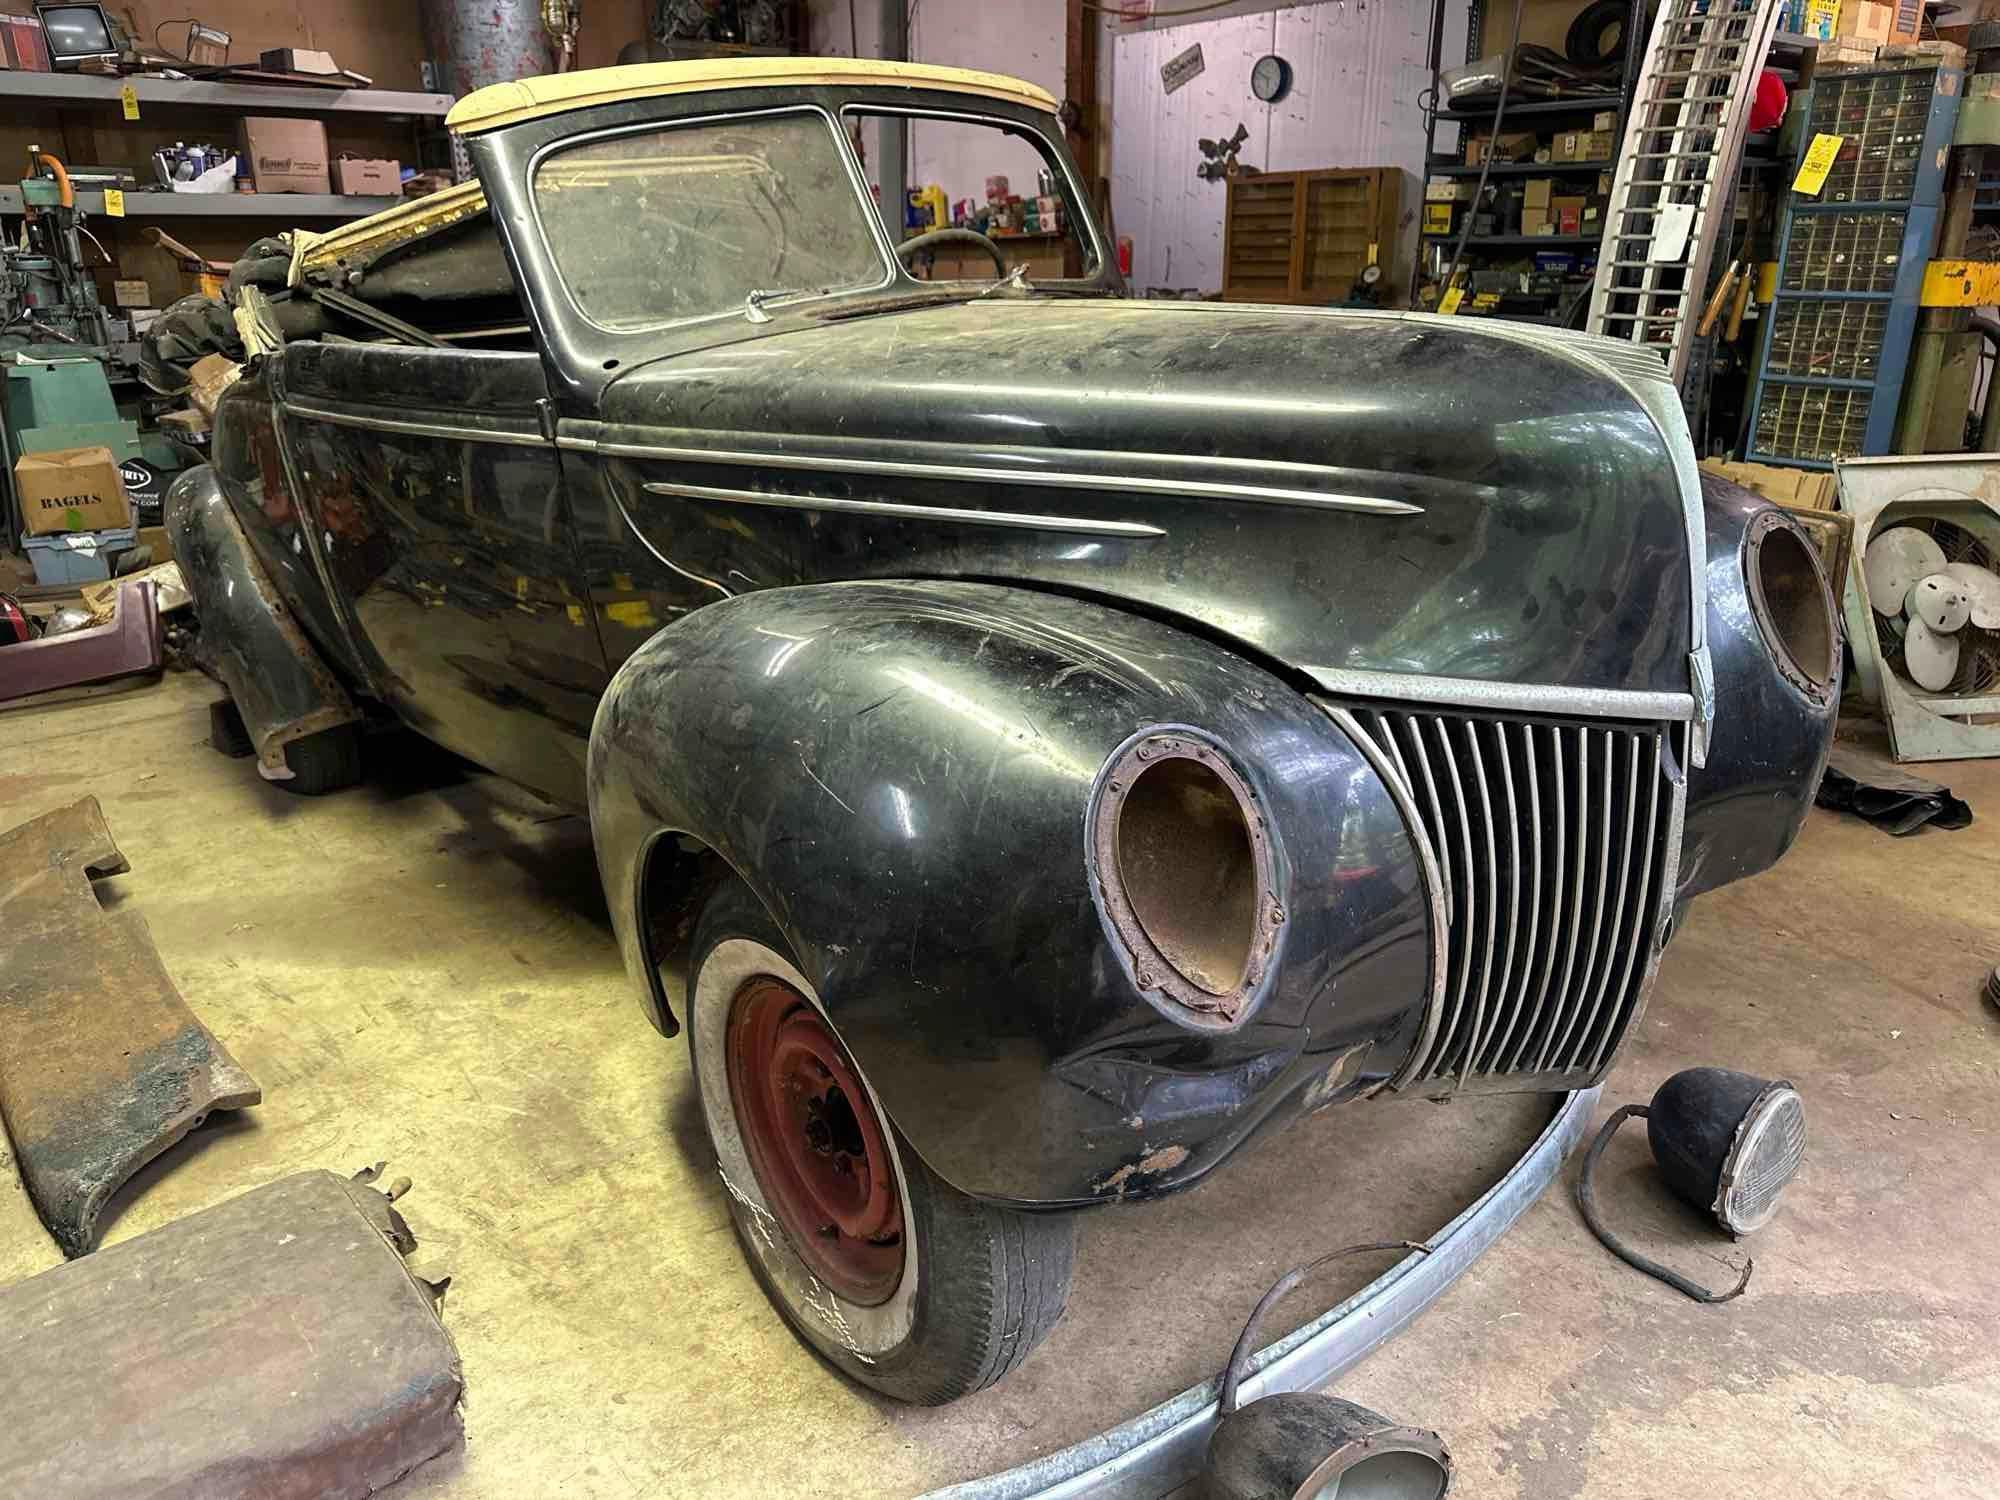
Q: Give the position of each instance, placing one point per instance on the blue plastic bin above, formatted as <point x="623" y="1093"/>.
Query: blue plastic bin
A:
<point x="77" y="556"/>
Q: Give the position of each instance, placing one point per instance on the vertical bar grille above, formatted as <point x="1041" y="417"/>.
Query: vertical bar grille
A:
<point x="1550" y="840"/>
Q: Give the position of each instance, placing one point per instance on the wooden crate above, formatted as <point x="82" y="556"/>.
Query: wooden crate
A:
<point x="1304" y="236"/>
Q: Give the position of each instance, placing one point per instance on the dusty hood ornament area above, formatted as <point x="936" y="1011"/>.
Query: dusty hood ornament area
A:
<point x="102" y="1064"/>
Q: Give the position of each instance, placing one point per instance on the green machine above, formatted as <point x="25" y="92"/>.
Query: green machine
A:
<point x="61" y="351"/>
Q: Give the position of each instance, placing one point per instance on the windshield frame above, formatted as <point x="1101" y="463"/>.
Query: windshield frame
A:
<point x="858" y="190"/>
<point x="1076" y="207"/>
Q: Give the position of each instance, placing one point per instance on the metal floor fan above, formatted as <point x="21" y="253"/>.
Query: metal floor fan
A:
<point x="1923" y="599"/>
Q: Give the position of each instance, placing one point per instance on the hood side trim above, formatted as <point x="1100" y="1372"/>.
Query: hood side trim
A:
<point x="1019" y="520"/>
<point x="1506" y="697"/>
<point x="1011" y="472"/>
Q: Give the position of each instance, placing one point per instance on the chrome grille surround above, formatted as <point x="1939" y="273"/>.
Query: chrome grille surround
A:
<point x="1554" y="845"/>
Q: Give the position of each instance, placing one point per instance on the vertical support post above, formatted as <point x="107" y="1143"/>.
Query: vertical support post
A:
<point x="1938" y="360"/>
<point x="892" y="165"/>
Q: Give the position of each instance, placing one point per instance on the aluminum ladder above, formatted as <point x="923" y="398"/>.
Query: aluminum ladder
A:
<point x="1683" y="143"/>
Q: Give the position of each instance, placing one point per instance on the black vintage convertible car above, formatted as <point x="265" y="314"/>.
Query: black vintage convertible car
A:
<point x="1034" y="740"/>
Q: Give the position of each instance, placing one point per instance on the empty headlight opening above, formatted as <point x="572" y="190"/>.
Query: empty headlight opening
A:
<point x="1793" y="606"/>
<point x="1183" y="868"/>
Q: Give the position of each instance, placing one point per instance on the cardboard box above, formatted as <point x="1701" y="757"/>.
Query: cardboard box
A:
<point x="71" y="489"/>
<point x="209" y="377"/>
<point x="297" y="60"/>
<point x="1509" y="145"/>
<point x="1437" y="218"/>
<point x="1536" y="221"/>
<point x="1881" y="22"/>
<point x="23" y="46"/>
<point x="1567" y="213"/>
<point x="286" y="156"/>
<point x="1606" y="120"/>
<point x="1536" y="192"/>
<point x="1598" y="146"/>
<point x="376" y="176"/>
<point x="132" y="293"/>
<point x="1449" y="190"/>
<point x="1568" y="146"/>
<point x="1804" y="489"/>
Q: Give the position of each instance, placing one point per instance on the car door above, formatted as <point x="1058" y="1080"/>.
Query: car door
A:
<point x="445" y="528"/>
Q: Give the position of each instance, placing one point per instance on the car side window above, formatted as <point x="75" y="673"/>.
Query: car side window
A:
<point x="988" y="175"/>
<point x="660" y="225"/>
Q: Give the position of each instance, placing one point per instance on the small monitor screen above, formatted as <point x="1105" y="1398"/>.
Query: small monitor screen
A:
<point x="76" y="31"/>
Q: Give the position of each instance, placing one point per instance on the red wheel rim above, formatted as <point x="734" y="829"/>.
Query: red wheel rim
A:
<point x="819" y="1150"/>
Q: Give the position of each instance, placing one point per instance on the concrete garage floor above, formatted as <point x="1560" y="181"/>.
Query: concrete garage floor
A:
<point x="419" y="970"/>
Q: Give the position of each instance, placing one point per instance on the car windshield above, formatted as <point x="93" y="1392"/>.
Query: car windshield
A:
<point x="661" y="225"/>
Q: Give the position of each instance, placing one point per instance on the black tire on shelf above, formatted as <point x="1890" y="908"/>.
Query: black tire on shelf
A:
<point x="324" y="762"/>
<point x="987" y="1283"/>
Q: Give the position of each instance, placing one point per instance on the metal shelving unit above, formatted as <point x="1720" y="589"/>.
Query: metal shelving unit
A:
<point x="1536" y="108"/>
<point x="1850" y="265"/>
<point x="1523" y="168"/>
<point x="1527" y="112"/>
<point x="286" y="206"/>
<point x="1522" y="241"/>
<point x="87" y="88"/>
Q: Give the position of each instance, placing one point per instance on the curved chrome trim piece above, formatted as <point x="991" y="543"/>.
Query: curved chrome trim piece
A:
<point x="1199" y="489"/>
<point x="1508" y="697"/>
<point x="1162" y="1449"/>
<point x="453" y="430"/>
<point x="1396" y="779"/>
<point x="1019" y="520"/>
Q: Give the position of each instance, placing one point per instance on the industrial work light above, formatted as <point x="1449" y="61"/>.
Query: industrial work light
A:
<point x="1726" y="1142"/>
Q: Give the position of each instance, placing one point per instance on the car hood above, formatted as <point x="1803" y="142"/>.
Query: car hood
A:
<point x="1342" y="492"/>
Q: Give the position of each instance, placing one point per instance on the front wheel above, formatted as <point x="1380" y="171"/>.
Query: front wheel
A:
<point x="906" y="1284"/>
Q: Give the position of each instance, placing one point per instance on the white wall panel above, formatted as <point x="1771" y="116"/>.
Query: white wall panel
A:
<point x="1021" y="38"/>
<point x="1357" y="74"/>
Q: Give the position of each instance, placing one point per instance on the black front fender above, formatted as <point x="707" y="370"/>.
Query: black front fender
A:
<point x="1772" y="733"/>
<point x="904" y="774"/>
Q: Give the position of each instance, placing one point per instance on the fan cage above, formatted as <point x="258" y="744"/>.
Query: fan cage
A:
<point x="1978" y="650"/>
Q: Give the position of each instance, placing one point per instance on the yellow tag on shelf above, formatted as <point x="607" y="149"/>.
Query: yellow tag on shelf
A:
<point x="1820" y="156"/>
<point x="1451" y="300"/>
<point x="114" y="203"/>
<point x="128" y="99"/>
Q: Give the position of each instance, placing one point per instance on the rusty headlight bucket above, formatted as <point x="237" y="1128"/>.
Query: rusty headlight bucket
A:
<point x="1184" y="872"/>
<point x="1791" y="602"/>
<point x="1727" y="1144"/>
<point x="1303" y="1445"/>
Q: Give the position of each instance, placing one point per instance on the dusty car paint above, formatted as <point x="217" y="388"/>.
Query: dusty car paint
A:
<point x="857" y="596"/>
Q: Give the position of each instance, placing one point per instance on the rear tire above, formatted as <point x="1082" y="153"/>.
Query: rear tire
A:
<point x="977" y="1286"/>
<point x="324" y="762"/>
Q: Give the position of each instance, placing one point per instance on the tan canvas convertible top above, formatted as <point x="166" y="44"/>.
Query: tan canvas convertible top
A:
<point x="526" y="98"/>
<point x="365" y="240"/>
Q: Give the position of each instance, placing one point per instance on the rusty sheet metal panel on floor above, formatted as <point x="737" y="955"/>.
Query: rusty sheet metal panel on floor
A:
<point x="272" y="1346"/>
<point x="102" y="1064"/>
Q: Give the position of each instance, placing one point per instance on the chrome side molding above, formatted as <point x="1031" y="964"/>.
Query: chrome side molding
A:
<point x="1086" y="469"/>
<point x="524" y="437"/>
<point x="953" y="515"/>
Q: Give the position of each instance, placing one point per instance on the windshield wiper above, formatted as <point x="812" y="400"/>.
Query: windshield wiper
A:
<point x="753" y="304"/>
